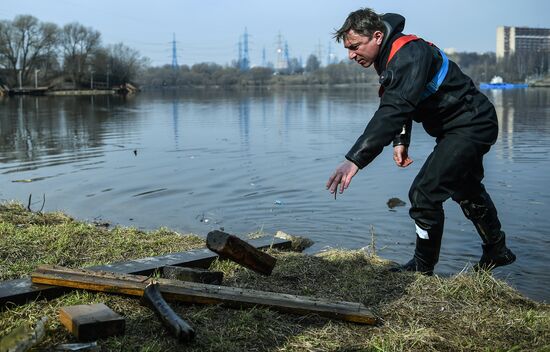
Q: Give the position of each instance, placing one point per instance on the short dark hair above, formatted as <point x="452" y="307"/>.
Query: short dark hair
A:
<point x="363" y="21"/>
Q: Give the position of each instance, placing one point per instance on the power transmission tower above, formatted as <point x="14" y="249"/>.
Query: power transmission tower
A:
<point x="174" y="54"/>
<point x="264" y="62"/>
<point x="319" y="52"/>
<point x="240" y="58"/>
<point x="245" y="63"/>
<point x="280" y="64"/>
<point x="287" y="55"/>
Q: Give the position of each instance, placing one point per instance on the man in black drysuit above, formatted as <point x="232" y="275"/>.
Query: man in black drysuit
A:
<point x="419" y="83"/>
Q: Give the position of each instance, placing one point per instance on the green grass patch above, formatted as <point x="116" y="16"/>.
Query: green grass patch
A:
<point x="29" y="239"/>
<point x="466" y="312"/>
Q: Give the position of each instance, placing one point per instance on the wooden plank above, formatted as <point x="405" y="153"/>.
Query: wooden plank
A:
<point x="200" y="258"/>
<point x="191" y="292"/>
<point x="192" y="274"/>
<point x="232" y="247"/>
<point x="88" y="322"/>
<point x="21" y="291"/>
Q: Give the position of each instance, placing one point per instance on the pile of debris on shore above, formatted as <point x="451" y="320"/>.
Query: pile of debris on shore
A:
<point x="469" y="311"/>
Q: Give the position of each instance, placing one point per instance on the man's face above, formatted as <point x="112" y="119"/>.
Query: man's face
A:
<point x="361" y="48"/>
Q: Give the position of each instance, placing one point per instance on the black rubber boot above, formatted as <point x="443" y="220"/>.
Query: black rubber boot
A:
<point x="495" y="255"/>
<point x="483" y="214"/>
<point x="426" y="255"/>
<point x="418" y="265"/>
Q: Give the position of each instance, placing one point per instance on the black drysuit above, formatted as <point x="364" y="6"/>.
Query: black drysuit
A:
<point x="459" y="116"/>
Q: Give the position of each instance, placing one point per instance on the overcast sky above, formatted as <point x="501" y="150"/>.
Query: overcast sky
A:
<point x="210" y="30"/>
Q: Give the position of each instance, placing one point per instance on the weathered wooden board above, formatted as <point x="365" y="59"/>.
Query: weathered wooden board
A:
<point x="232" y="247"/>
<point x="192" y="274"/>
<point x="20" y="291"/>
<point x="88" y="322"/>
<point x="191" y="292"/>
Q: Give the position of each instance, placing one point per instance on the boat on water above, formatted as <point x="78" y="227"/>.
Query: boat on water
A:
<point x="498" y="83"/>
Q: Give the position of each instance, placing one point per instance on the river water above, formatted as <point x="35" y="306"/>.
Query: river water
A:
<point x="195" y="161"/>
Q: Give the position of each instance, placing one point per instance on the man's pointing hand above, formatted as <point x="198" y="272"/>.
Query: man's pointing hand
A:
<point x="342" y="176"/>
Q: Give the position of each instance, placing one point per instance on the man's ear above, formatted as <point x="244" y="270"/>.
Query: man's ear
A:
<point x="378" y="36"/>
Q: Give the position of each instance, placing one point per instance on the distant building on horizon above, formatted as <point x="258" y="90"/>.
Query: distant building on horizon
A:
<point x="520" y="40"/>
<point x="450" y="51"/>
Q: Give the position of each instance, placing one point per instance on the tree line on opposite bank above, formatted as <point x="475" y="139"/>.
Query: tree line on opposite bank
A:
<point x="480" y="67"/>
<point x="43" y="54"/>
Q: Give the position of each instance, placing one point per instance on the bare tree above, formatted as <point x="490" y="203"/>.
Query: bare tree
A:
<point x="78" y="43"/>
<point x="312" y="64"/>
<point x="8" y="53"/>
<point x="25" y="43"/>
<point x="125" y="63"/>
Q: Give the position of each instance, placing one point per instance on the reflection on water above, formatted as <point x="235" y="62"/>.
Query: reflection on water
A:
<point x="530" y="118"/>
<point x="258" y="160"/>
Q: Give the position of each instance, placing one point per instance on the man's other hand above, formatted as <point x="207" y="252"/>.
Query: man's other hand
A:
<point x="401" y="156"/>
<point x="342" y="176"/>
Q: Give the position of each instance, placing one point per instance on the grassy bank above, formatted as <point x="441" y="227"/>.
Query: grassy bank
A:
<point x="470" y="311"/>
